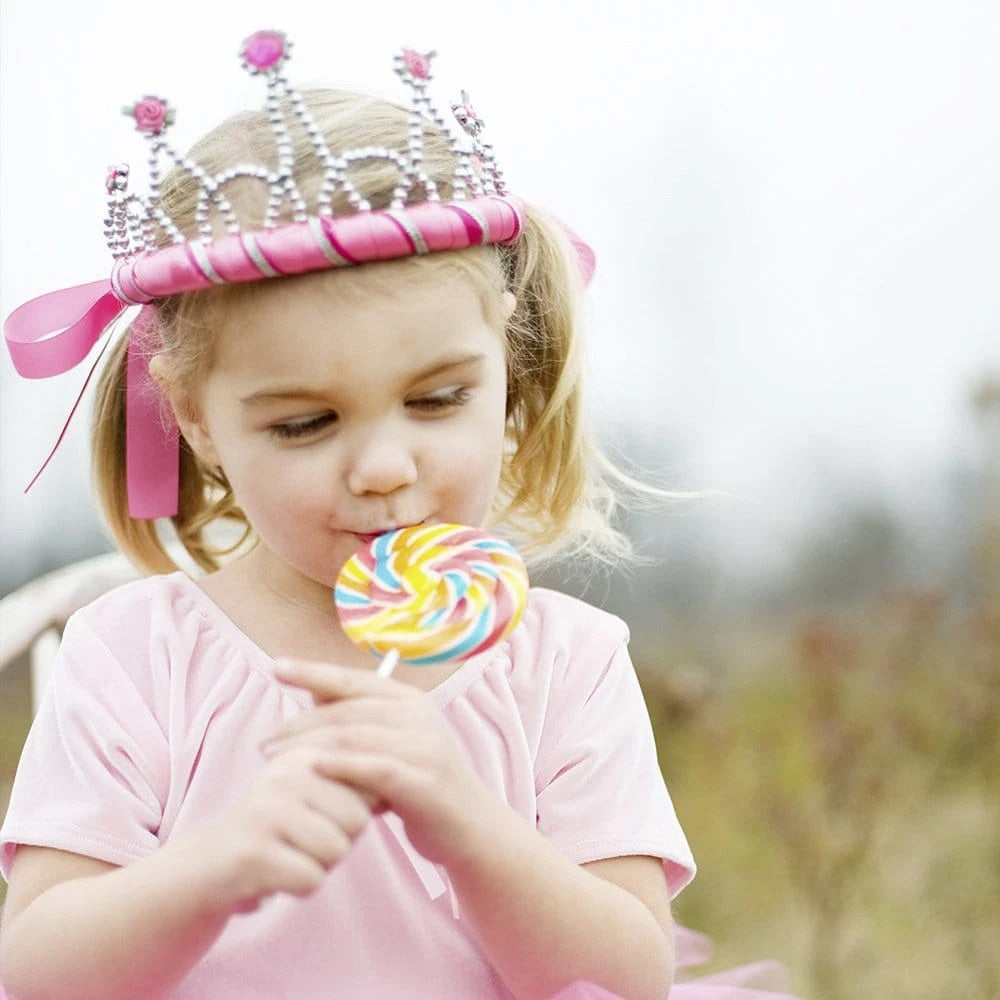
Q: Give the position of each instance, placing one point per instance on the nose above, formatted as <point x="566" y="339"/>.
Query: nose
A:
<point x="381" y="462"/>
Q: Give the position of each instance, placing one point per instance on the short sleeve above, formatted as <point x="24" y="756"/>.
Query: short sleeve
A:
<point x="600" y="791"/>
<point x="94" y="771"/>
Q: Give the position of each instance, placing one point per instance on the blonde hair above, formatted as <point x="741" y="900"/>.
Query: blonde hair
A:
<point x="558" y="492"/>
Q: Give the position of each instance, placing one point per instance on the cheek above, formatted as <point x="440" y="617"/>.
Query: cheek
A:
<point x="298" y="477"/>
<point x="471" y="458"/>
<point x="284" y="505"/>
<point x="266" y="479"/>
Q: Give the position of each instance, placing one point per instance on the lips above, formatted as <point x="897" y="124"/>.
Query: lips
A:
<point x="367" y="537"/>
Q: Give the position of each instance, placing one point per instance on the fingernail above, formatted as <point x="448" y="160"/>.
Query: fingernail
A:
<point x="283" y="668"/>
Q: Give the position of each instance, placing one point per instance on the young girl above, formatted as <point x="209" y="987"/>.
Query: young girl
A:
<point x="219" y="798"/>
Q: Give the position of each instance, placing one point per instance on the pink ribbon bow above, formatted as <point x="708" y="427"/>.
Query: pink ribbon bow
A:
<point x="82" y="314"/>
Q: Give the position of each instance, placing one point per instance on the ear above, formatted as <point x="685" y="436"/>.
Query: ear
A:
<point x="509" y="300"/>
<point x="185" y="411"/>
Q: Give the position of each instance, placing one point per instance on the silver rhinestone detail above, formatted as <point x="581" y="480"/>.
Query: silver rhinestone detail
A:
<point x="136" y="223"/>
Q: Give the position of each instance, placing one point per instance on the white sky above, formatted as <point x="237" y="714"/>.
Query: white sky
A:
<point x="795" y="207"/>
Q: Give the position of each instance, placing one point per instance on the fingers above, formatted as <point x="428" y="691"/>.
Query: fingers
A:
<point x="377" y="762"/>
<point x="314" y="836"/>
<point x="385" y="766"/>
<point x="377" y="736"/>
<point x="329" y="682"/>
<point x="296" y="823"/>
<point x="385" y="740"/>
<point x="300" y="769"/>
<point x="363" y="698"/>
<point x="385" y="775"/>
<point x="296" y="804"/>
<point x="332" y="714"/>
<point x="435" y="811"/>
<point x="285" y="868"/>
<point x="336" y="803"/>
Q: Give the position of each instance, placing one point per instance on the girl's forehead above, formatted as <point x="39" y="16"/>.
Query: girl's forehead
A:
<point x="398" y="318"/>
<point x="328" y="295"/>
<point x="435" y="286"/>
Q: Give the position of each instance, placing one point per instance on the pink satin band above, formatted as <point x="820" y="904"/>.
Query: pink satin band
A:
<point x="317" y="244"/>
<point x="53" y="333"/>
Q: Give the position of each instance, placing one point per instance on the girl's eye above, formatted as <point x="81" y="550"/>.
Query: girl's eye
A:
<point x="303" y="427"/>
<point x="445" y="401"/>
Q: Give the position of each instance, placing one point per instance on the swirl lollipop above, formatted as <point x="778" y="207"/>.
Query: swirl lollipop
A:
<point x="431" y="593"/>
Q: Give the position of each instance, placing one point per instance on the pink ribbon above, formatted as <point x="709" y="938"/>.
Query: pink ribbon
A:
<point x="152" y="437"/>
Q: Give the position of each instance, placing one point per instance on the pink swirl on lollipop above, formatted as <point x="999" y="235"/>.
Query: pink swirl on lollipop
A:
<point x="431" y="593"/>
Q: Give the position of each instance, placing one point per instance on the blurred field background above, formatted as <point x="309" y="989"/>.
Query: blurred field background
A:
<point x="835" y="758"/>
<point x="831" y="749"/>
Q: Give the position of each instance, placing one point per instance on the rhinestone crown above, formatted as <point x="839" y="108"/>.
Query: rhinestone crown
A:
<point x="133" y="221"/>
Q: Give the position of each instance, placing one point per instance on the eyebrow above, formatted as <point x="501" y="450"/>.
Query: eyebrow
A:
<point x="279" y="392"/>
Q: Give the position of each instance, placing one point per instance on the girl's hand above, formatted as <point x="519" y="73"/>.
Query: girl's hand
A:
<point x="295" y="824"/>
<point x="387" y="739"/>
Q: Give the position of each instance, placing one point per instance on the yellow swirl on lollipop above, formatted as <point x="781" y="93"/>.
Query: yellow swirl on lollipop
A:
<point x="432" y="593"/>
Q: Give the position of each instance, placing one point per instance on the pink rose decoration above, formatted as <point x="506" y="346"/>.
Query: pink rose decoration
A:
<point x="151" y="114"/>
<point x="419" y="64"/>
<point x="264" y="50"/>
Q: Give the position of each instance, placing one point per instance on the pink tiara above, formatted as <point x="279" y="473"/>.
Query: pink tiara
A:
<point x="416" y="221"/>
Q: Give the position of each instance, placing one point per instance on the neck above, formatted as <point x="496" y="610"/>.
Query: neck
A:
<point x="288" y="588"/>
<point x="285" y="613"/>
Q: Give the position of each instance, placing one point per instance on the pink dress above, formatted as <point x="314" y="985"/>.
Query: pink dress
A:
<point x="151" y="725"/>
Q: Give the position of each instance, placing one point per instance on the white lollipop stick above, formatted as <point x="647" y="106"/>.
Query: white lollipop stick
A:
<point x="388" y="664"/>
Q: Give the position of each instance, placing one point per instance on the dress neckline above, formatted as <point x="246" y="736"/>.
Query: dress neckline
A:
<point x="441" y="694"/>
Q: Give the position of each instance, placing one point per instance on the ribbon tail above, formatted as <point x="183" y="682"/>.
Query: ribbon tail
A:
<point x="69" y="418"/>
<point x="433" y="878"/>
<point x="152" y="438"/>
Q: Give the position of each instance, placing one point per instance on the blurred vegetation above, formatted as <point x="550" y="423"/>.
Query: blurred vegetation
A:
<point x="15" y="702"/>
<point x="837" y="771"/>
<point x="841" y="791"/>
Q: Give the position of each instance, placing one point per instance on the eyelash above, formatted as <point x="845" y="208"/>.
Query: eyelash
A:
<point x="303" y="428"/>
<point x="435" y="403"/>
<point x="312" y="425"/>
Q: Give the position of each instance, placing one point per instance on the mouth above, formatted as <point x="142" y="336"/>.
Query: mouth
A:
<point x="367" y="537"/>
